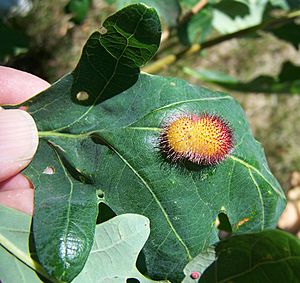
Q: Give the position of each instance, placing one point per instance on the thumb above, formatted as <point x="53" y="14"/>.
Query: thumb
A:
<point x="18" y="141"/>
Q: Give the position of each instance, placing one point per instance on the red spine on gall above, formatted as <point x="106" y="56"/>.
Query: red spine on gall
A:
<point x="203" y="139"/>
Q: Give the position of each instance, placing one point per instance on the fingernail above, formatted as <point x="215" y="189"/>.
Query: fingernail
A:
<point x="18" y="141"/>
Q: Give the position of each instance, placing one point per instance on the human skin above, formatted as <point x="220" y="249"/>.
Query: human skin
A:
<point x="18" y="137"/>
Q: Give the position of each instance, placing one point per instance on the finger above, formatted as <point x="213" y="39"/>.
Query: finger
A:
<point x="20" y="199"/>
<point x="18" y="181"/>
<point x="18" y="142"/>
<point x="17" y="193"/>
<point x="17" y="86"/>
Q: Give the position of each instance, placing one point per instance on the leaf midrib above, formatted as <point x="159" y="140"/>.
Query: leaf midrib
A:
<point x="157" y="201"/>
<point x="45" y="134"/>
<point x="108" y="81"/>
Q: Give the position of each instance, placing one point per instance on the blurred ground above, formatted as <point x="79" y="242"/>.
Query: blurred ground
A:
<point x="56" y="45"/>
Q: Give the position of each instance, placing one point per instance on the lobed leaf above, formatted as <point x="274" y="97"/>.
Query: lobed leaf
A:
<point x="108" y="145"/>
<point x="118" y="242"/>
<point x="268" y="256"/>
<point x="17" y="256"/>
<point x="65" y="199"/>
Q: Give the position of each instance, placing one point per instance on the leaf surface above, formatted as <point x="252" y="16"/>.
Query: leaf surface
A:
<point x="168" y="10"/>
<point x="65" y="196"/>
<point x="269" y="256"/>
<point x="119" y="154"/>
<point x="197" y="28"/>
<point x="290" y="33"/>
<point x="287" y="81"/>
<point x="17" y="263"/>
<point x="118" y="242"/>
<point x="199" y="264"/>
<point x="109" y="145"/>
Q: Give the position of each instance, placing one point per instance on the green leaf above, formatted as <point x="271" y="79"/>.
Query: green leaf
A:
<point x="17" y="263"/>
<point x="233" y="8"/>
<point x="109" y="145"/>
<point x="65" y="196"/>
<point x="188" y="4"/>
<point x="117" y="245"/>
<point x="199" y="264"/>
<point x="286" y="4"/>
<point x="231" y="16"/>
<point x="15" y="41"/>
<point x="117" y="241"/>
<point x="288" y="81"/>
<point x="197" y="28"/>
<point x="269" y="256"/>
<point x="211" y="76"/>
<point x="289" y="32"/>
<point x="168" y="10"/>
<point x="79" y="9"/>
<point x="65" y="212"/>
<point x="119" y="154"/>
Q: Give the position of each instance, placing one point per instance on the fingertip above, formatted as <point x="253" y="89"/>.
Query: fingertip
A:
<point x="17" y="86"/>
<point x="18" y="141"/>
<point x="18" y="198"/>
<point x="17" y="181"/>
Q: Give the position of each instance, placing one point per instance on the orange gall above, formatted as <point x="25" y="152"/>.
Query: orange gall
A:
<point x="202" y="139"/>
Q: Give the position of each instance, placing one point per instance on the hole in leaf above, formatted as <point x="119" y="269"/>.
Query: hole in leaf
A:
<point x="132" y="280"/>
<point x="105" y="213"/>
<point x="49" y="170"/>
<point x="100" y="194"/>
<point x="103" y="30"/>
<point x="224" y="226"/>
<point x="82" y="96"/>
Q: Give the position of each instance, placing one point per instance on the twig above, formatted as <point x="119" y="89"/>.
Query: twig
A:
<point x="199" y="6"/>
<point x="170" y="59"/>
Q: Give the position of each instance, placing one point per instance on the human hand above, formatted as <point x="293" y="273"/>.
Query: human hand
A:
<point x="18" y="138"/>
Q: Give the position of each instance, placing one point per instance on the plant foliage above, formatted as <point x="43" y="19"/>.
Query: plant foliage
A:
<point x="99" y="129"/>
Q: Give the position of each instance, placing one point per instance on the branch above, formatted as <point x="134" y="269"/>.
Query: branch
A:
<point x="199" y="6"/>
<point x="170" y="59"/>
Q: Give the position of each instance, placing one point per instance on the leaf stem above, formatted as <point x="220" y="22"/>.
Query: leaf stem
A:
<point x="172" y="58"/>
<point x="63" y="135"/>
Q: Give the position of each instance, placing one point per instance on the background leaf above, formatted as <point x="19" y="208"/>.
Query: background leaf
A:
<point x="211" y="76"/>
<point x="199" y="264"/>
<point x="289" y="32"/>
<point x="15" y="41"/>
<point x="168" y="10"/>
<point x="17" y="264"/>
<point x="197" y="28"/>
<point x="286" y="4"/>
<point x="79" y="9"/>
<point x="288" y="80"/>
<point x="268" y="256"/>
<point x="227" y="19"/>
<point x="118" y="242"/>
